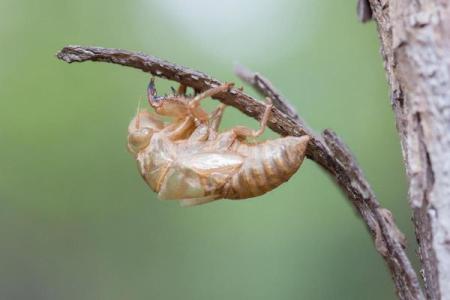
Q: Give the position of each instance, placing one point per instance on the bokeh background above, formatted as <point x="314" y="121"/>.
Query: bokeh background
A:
<point x="77" y="221"/>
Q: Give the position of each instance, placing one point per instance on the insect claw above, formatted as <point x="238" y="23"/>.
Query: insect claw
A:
<point x="230" y="85"/>
<point x="151" y="91"/>
<point x="151" y="86"/>
<point x="181" y="90"/>
<point x="152" y="96"/>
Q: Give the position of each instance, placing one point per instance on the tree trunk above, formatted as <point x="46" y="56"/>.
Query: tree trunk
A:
<point x="416" y="50"/>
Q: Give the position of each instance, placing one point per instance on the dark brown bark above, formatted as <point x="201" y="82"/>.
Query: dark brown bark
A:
<point x="325" y="149"/>
<point x="415" y="39"/>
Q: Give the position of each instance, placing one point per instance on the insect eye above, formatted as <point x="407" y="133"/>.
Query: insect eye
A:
<point x="139" y="139"/>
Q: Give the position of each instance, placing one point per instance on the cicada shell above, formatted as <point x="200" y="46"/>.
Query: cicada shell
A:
<point x="189" y="160"/>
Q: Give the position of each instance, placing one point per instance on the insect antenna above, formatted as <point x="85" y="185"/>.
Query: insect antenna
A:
<point x="138" y="114"/>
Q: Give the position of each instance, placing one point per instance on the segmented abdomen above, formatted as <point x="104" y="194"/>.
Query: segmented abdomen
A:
<point x="266" y="166"/>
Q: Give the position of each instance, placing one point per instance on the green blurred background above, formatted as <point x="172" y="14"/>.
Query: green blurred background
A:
<point x="78" y="222"/>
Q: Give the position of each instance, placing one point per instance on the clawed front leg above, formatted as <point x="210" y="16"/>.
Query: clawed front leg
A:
<point x="178" y="106"/>
<point x="244" y="132"/>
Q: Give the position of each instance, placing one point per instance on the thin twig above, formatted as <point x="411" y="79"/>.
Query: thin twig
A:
<point x="327" y="150"/>
<point x="389" y="240"/>
<point x="266" y="88"/>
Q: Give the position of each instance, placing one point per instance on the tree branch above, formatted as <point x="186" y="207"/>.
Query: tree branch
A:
<point x="327" y="150"/>
<point x="344" y="156"/>
<point x="415" y="46"/>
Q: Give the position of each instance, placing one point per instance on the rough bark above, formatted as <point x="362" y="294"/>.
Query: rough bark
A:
<point x="326" y="149"/>
<point x="415" y="39"/>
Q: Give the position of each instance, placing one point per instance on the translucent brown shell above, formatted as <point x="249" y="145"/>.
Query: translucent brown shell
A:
<point x="189" y="160"/>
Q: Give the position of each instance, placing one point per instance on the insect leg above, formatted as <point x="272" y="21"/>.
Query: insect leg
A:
<point x="214" y="121"/>
<point x="223" y="141"/>
<point x="181" y="130"/>
<point x="247" y="132"/>
<point x="216" y="117"/>
<point x="200" y="133"/>
<point x="205" y="132"/>
<point x="181" y="89"/>
<point x="163" y="176"/>
<point x="194" y="104"/>
<point x="211" y="92"/>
